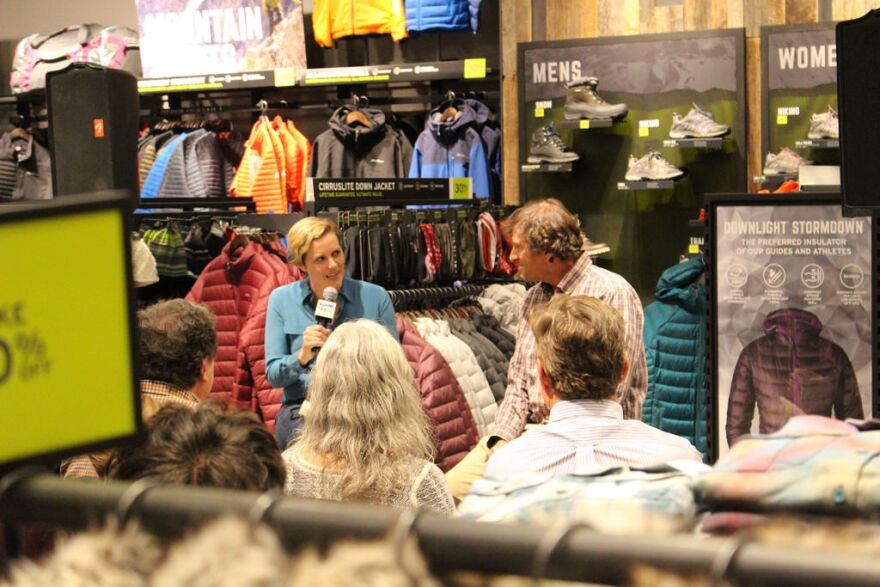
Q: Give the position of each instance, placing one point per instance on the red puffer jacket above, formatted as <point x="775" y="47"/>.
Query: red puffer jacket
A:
<point x="442" y="398"/>
<point x="229" y="285"/>
<point x="251" y="386"/>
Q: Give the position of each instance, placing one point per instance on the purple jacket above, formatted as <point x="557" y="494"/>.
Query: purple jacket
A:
<point x="790" y="370"/>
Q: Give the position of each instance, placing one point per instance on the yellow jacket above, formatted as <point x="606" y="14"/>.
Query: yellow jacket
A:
<point x="333" y="19"/>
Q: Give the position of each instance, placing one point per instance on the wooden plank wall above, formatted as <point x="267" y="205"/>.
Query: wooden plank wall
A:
<point x="570" y="19"/>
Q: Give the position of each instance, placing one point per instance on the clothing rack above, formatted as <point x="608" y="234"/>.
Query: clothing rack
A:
<point x="191" y="203"/>
<point x="569" y="553"/>
<point x="403" y="299"/>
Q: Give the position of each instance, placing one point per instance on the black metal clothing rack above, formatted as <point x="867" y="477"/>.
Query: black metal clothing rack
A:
<point x="404" y="299"/>
<point x="570" y="553"/>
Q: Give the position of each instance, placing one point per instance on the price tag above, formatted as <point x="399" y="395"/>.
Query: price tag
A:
<point x="584" y="124"/>
<point x="644" y="131"/>
<point x="781" y="119"/>
<point x="460" y="188"/>
<point x="693" y="249"/>
<point x="475" y="68"/>
<point x="539" y="113"/>
<point x="285" y="77"/>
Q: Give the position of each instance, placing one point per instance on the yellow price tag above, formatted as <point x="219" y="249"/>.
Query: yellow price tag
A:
<point x="584" y="124"/>
<point x="460" y="188"/>
<point x="693" y="249"/>
<point x="781" y="119"/>
<point x="285" y="76"/>
<point x="539" y="113"/>
<point x="475" y="68"/>
<point x="644" y="131"/>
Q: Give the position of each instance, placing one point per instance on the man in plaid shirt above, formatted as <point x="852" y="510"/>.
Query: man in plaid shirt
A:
<point x="547" y="245"/>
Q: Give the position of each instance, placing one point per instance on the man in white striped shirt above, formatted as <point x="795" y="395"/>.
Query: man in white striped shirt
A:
<point x="581" y="360"/>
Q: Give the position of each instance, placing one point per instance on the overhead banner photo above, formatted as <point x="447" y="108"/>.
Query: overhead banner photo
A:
<point x="219" y="36"/>
<point x="792" y="316"/>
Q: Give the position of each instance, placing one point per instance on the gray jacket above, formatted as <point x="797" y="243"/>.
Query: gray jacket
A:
<point x="25" y="168"/>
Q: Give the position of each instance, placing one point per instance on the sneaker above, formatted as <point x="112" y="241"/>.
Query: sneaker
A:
<point x="785" y="161"/>
<point x="595" y="249"/>
<point x="825" y="125"/>
<point x="547" y="147"/>
<point x="582" y="101"/>
<point x="652" y="167"/>
<point x="696" y="124"/>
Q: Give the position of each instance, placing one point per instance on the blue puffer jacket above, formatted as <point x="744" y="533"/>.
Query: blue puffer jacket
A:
<point x="675" y="349"/>
<point x="444" y="15"/>
<point x="452" y="148"/>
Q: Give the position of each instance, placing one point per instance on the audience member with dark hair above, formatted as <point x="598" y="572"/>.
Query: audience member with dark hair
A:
<point x="213" y="445"/>
<point x="177" y="344"/>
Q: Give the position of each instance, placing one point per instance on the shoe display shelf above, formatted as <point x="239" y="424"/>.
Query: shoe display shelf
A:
<point x="694" y="143"/>
<point x="546" y="167"/>
<point x="818" y="144"/>
<point x="587" y="123"/>
<point x="646" y="184"/>
<point x="772" y="182"/>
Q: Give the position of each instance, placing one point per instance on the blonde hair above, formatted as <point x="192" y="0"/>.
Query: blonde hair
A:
<point x="366" y="421"/>
<point x="301" y="235"/>
<point x="581" y="344"/>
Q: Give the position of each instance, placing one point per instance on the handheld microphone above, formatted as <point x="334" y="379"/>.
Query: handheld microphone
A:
<point x="325" y="311"/>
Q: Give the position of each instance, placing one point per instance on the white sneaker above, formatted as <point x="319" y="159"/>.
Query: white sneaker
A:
<point x="696" y="124"/>
<point x="652" y="167"/>
<point x="825" y="125"/>
<point x="785" y="161"/>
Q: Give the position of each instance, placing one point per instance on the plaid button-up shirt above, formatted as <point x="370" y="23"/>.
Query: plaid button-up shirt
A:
<point x="522" y="399"/>
<point x="81" y="466"/>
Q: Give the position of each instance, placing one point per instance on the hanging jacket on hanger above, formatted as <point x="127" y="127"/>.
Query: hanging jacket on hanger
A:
<point x="25" y="168"/>
<point x="354" y="150"/>
<point x="452" y="148"/>
<point x="156" y="177"/>
<point x="442" y="15"/>
<point x="675" y="350"/>
<point x="261" y="175"/>
<point x="228" y="286"/>
<point x="491" y="135"/>
<point x="333" y="19"/>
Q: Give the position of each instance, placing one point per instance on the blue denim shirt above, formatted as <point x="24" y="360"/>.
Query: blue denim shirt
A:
<point x="292" y="309"/>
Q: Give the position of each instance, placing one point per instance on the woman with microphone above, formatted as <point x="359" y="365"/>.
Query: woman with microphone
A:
<point x="294" y="335"/>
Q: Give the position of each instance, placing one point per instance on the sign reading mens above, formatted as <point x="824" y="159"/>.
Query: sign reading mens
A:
<point x="23" y="350"/>
<point x="66" y="367"/>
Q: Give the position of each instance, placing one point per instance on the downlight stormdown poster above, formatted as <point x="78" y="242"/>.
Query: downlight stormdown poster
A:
<point x="197" y="37"/>
<point x="793" y="316"/>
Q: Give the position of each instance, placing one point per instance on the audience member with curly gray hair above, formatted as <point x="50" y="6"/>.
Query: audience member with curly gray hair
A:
<point x="366" y="437"/>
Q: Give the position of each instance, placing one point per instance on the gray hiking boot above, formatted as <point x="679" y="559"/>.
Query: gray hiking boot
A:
<point x="651" y="167"/>
<point x="547" y="147"/>
<point x="696" y="124"/>
<point x="582" y="101"/>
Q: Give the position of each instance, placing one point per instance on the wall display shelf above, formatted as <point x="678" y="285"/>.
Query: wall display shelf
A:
<point x="818" y="144"/>
<point x="707" y="143"/>
<point x="546" y="167"/>
<point x="587" y="123"/>
<point x="663" y="184"/>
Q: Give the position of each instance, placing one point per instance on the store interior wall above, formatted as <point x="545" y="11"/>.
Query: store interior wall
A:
<point x="547" y="20"/>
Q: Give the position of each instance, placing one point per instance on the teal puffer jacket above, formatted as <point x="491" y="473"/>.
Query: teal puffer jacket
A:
<point x="675" y="349"/>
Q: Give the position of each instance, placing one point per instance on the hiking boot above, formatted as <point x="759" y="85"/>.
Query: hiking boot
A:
<point x="825" y="125"/>
<point x="595" y="249"/>
<point x="652" y="167"/>
<point x="696" y="124"/>
<point x="582" y="101"/>
<point x="547" y="147"/>
<point x="785" y="161"/>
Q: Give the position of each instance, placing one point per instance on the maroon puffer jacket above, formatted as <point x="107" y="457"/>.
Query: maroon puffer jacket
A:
<point x="251" y="386"/>
<point x="790" y="370"/>
<point x="442" y="398"/>
<point x="237" y="277"/>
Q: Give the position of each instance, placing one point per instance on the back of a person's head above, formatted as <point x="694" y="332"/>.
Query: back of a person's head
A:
<point x="176" y="336"/>
<point x="547" y="226"/>
<point x="211" y="445"/>
<point x="365" y="412"/>
<point x="581" y="344"/>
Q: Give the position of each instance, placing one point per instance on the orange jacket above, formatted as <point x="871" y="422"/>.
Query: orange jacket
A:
<point x="292" y="158"/>
<point x="333" y="19"/>
<point x="260" y="175"/>
<point x="304" y="147"/>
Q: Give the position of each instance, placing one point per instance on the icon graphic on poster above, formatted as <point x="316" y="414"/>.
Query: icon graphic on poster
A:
<point x="774" y="275"/>
<point x="851" y="276"/>
<point x="812" y="275"/>
<point x="737" y="276"/>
